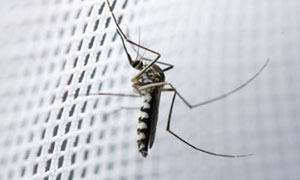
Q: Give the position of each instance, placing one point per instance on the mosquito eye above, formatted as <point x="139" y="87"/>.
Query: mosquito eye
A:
<point x="134" y="63"/>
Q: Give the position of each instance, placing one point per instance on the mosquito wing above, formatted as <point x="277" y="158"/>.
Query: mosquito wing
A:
<point x="154" y="114"/>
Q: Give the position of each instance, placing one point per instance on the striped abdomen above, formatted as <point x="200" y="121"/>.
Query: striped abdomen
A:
<point x="144" y="124"/>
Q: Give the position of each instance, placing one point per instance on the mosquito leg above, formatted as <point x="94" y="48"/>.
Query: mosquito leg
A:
<point x="167" y="90"/>
<point x="112" y="94"/>
<point x="153" y="85"/>
<point x="100" y="94"/>
<point x="137" y="90"/>
<point x="207" y="101"/>
<point x="189" y="144"/>
<point x="125" y="108"/>
<point x="134" y="43"/>
<point x="170" y="66"/>
<point x="130" y="108"/>
<point x="64" y="97"/>
<point x="216" y="98"/>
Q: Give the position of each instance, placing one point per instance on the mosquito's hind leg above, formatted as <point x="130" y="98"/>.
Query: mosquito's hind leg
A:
<point x="134" y="43"/>
<point x="187" y="143"/>
<point x="213" y="99"/>
<point x="160" y="84"/>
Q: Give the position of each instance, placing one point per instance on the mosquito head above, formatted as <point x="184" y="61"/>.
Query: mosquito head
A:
<point x="137" y="64"/>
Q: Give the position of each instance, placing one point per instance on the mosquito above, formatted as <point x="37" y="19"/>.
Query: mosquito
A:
<point x="149" y="83"/>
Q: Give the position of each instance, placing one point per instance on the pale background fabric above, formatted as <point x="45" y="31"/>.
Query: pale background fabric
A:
<point x="50" y="48"/>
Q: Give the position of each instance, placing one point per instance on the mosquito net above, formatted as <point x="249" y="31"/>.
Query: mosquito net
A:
<point x="53" y="53"/>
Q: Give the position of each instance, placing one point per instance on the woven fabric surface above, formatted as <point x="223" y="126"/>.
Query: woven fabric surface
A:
<point x="53" y="53"/>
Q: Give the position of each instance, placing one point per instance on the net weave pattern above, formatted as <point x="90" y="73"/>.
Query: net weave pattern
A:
<point x="53" y="53"/>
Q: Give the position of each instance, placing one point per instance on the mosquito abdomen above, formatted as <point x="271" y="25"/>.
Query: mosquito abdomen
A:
<point x="143" y="130"/>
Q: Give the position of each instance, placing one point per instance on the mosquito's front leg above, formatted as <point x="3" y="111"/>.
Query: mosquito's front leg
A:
<point x="153" y="85"/>
<point x="137" y="90"/>
<point x="169" y="66"/>
<point x="134" y="43"/>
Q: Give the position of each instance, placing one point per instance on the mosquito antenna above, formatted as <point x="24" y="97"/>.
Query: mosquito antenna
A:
<point x="138" y="51"/>
<point x="142" y="57"/>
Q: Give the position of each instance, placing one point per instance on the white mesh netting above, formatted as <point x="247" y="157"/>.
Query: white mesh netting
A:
<point x="51" y="50"/>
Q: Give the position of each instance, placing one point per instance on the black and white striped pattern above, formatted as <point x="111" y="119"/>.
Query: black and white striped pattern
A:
<point x="143" y="129"/>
